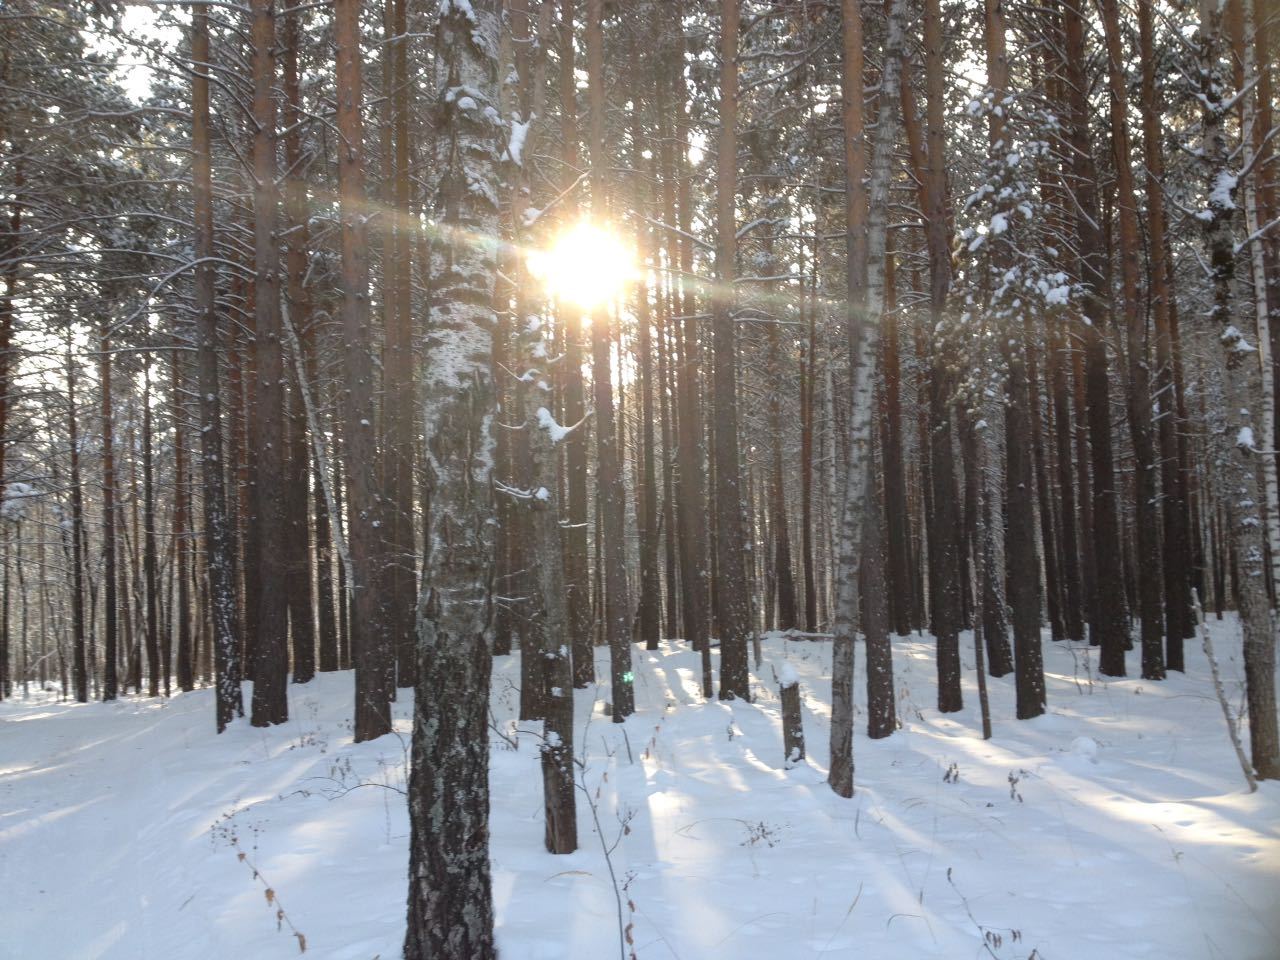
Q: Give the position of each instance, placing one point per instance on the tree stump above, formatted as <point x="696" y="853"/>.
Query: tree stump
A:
<point x="792" y="724"/>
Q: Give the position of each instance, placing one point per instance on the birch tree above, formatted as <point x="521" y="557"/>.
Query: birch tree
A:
<point x="863" y="320"/>
<point x="1233" y="439"/>
<point x="450" y="897"/>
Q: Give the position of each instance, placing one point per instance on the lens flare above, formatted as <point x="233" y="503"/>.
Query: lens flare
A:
<point x="587" y="265"/>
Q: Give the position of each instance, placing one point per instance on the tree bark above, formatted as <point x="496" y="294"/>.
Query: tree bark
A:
<point x="945" y="560"/>
<point x="110" y="578"/>
<point x="297" y="546"/>
<point x="574" y="536"/>
<point x="863" y="341"/>
<point x="450" y="896"/>
<point x="610" y="487"/>
<point x="1146" y="493"/>
<point x="1108" y="619"/>
<point x="371" y="644"/>
<point x="1178" y="623"/>
<point x="182" y="531"/>
<point x="156" y="665"/>
<point x="1233" y="436"/>
<point x="271" y="652"/>
<point x="217" y="529"/>
<point x="733" y="605"/>
<point x="80" y="665"/>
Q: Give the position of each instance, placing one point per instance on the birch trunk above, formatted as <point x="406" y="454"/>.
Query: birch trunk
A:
<point x="864" y="341"/>
<point x="450" y="895"/>
<point x="1232" y="436"/>
<point x="1258" y="275"/>
<point x="560" y="810"/>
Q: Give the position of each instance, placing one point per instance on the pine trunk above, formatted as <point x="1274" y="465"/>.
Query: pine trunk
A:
<point x="219" y="563"/>
<point x="371" y="644"/>
<point x="271" y="651"/>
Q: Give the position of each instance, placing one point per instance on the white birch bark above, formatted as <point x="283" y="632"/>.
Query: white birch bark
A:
<point x="450" y="899"/>
<point x="1271" y="482"/>
<point x="1232" y="439"/>
<point x="864" y="341"/>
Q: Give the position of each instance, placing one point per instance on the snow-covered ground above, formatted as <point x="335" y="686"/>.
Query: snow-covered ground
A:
<point x="1116" y="826"/>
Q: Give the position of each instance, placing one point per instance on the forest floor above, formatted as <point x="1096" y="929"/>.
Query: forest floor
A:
<point x="1116" y="826"/>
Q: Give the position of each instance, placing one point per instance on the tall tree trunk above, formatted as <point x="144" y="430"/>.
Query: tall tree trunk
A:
<point x="240" y="499"/>
<point x="649" y="612"/>
<point x="1236" y="446"/>
<point x="788" y="618"/>
<point x="866" y="302"/>
<point x="110" y="607"/>
<point x="301" y="604"/>
<point x="371" y="645"/>
<point x="896" y="514"/>
<point x="80" y="666"/>
<point x="271" y="651"/>
<point x="182" y="531"/>
<point x="1176" y="559"/>
<point x="155" y="666"/>
<point x="694" y="553"/>
<point x="398" y="386"/>
<point x="576" y="566"/>
<point x="1146" y="493"/>
<point x="561" y="828"/>
<point x="1057" y="359"/>
<point x="882" y="716"/>
<point x="808" y="378"/>
<point x="217" y="528"/>
<point x="610" y="489"/>
<point x="1109" y="620"/>
<point x="1024" y="562"/>
<point x="1253" y="189"/>
<point x="450" y="897"/>
<point x="547" y="628"/>
<point x="733" y="606"/>
<point x="946" y="563"/>
<point x="666" y="408"/>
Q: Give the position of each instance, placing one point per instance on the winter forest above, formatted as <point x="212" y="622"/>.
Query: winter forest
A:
<point x="644" y="478"/>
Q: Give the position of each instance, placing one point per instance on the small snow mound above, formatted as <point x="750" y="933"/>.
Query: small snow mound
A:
<point x="787" y="675"/>
<point x="1086" y="747"/>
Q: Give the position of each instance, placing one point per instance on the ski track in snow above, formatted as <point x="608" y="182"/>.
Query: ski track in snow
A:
<point x="1116" y="826"/>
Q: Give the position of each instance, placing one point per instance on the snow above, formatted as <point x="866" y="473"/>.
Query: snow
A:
<point x="1244" y="439"/>
<point x="787" y="676"/>
<point x="1115" y="826"/>
<point x="515" y="146"/>
<point x="548" y="423"/>
<point x="16" y="499"/>
<point x="1222" y="196"/>
<point x="1233" y="339"/>
<point x="462" y="7"/>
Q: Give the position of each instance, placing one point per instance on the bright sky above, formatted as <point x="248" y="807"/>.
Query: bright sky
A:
<point x="139" y="20"/>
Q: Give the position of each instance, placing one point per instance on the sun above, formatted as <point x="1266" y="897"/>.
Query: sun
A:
<point x="586" y="264"/>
